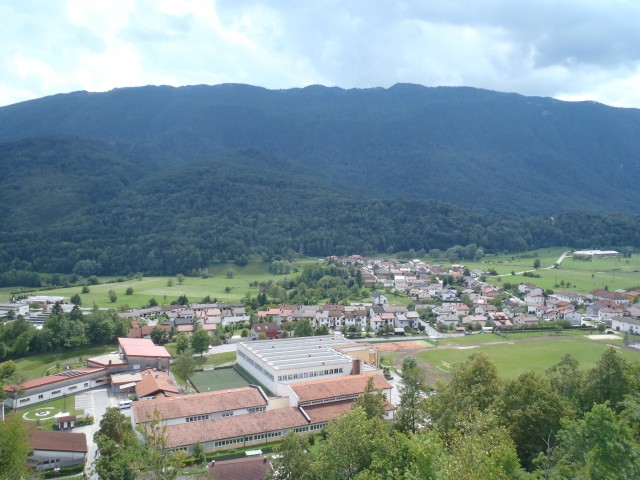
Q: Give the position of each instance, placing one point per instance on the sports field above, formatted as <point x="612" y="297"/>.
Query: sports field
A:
<point x="219" y="379"/>
<point x="514" y="358"/>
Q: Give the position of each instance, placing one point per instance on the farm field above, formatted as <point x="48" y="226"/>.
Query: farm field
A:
<point x="515" y="357"/>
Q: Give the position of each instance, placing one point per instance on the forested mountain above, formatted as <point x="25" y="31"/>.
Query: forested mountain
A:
<point x="486" y="150"/>
<point x="164" y="180"/>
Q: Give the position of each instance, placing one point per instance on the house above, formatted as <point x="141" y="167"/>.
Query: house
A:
<point x="65" y="421"/>
<point x="534" y="299"/>
<point x="155" y="384"/>
<point x="610" y="297"/>
<point x="270" y="329"/>
<point x="449" y="320"/>
<point x="525" y="321"/>
<point x="379" y="299"/>
<point x="141" y="353"/>
<point x="249" y="468"/>
<point x="57" y="449"/>
<point x="626" y="325"/>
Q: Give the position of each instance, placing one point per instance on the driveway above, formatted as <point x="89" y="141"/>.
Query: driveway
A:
<point x="95" y="403"/>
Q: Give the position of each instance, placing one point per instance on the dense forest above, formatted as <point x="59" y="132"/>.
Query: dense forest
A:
<point x="163" y="180"/>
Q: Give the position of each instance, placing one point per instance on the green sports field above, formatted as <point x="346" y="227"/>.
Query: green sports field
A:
<point x="514" y="358"/>
<point x="220" y="379"/>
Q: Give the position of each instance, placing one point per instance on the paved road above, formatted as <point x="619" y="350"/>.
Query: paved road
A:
<point x="94" y="402"/>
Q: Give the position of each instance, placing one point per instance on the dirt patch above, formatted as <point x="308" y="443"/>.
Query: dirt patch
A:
<point x="385" y="347"/>
<point x="466" y="347"/>
<point x="601" y="337"/>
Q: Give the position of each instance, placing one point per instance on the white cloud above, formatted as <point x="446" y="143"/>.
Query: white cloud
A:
<point x="571" y="49"/>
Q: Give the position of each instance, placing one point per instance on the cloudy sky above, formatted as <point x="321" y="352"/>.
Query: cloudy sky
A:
<point x="568" y="49"/>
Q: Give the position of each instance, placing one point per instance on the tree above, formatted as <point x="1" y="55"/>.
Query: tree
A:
<point x="160" y="462"/>
<point x="566" y="378"/>
<point x="481" y="450"/>
<point x="411" y="413"/>
<point x="180" y="278"/>
<point x="200" y="341"/>
<point x="303" y="328"/>
<point x="75" y="299"/>
<point x="607" y="380"/>
<point x="158" y="335"/>
<point x="319" y="330"/>
<point x="184" y="366"/>
<point x="14" y="448"/>
<point x="371" y="401"/>
<point x="600" y="445"/>
<point x="112" y="296"/>
<point x="292" y="461"/>
<point x="474" y="385"/>
<point x="531" y="410"/>
<point x="86" y="289"/>
<point x="120" y="452"/>
<point x="536" y="263"/>
<point x="129" y="291"/>
<point x="229" y="273"/>
<point x="170" y="282"/>
<point x="182" y="342"/>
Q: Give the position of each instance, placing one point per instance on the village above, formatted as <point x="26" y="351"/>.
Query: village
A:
<point x="293" y="383"/>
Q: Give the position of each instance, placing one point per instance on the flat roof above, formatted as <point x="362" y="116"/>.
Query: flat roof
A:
<point x="299" y="352"/>
<point x="142" y="347"/>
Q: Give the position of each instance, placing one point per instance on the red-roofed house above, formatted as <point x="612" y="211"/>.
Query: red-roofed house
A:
<point x="57" y="449"/>
<point x="141" y="353"/>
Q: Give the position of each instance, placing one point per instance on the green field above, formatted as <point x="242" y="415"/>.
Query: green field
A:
<point x="195" y="288"/>
<point x="36" y="366"/>
<point x="219" y="379"/>
<point x="516" y="357"/>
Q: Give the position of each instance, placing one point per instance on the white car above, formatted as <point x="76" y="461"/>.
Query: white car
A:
<point x="122" y="404"/>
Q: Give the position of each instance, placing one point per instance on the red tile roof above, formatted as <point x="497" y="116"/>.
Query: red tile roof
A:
<point x="142" y="347"/>
<point x="155" y="382"/>
<point x="59" y="441"/>
<point x="250" y="468"/>
<point x="199" y="404"/>
<point x="336" y="387"/>
<point x="58" y="377"/>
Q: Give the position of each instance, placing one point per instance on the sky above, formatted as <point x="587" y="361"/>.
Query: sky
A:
<point x="566" y="49"/>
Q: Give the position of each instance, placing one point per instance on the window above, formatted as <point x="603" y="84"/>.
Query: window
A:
<point x="40" y="397"/>
<point x="86" y="384"/>
<point x="72" y="388"/>
<point x="55" y="392"/>
<point x="24" y="400"/>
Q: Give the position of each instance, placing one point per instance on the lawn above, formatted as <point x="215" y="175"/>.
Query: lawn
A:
<point x="45" y="412"/>
<point x="517" y="357"/>
<point x="36" y="366"/>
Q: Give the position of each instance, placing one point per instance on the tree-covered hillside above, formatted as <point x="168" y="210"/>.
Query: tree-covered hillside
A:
<point x="485" y="150"/>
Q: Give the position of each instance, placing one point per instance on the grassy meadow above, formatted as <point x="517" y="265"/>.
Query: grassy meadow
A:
<point x="219" y="286"/>
<point x="515" y="357"/>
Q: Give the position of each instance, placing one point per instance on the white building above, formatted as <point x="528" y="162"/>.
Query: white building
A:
<point x="280" y="362"/>
<point x="57" y="449"/>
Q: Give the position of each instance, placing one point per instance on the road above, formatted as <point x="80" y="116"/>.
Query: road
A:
<point x="95" y="403"/>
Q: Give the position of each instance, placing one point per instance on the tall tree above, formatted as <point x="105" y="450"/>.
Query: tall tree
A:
<point x="566" y="378"/>
<point x="411" y="413"/>
<point x="371" y="401"/>
<point x="14" y="448"/>
<point x="600" y="445"/>
<point x="292" y="461"/>
<point x="473" y="386"/>
<point x="303" y="328"/>
<point x="200" y="341"/>
<point x="531" y="410"/>
<point x="182" y="342"/>
<point x="608" y="380"/>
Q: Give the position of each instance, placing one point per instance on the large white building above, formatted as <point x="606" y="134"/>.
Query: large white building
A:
<point x="277" y="363"/>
